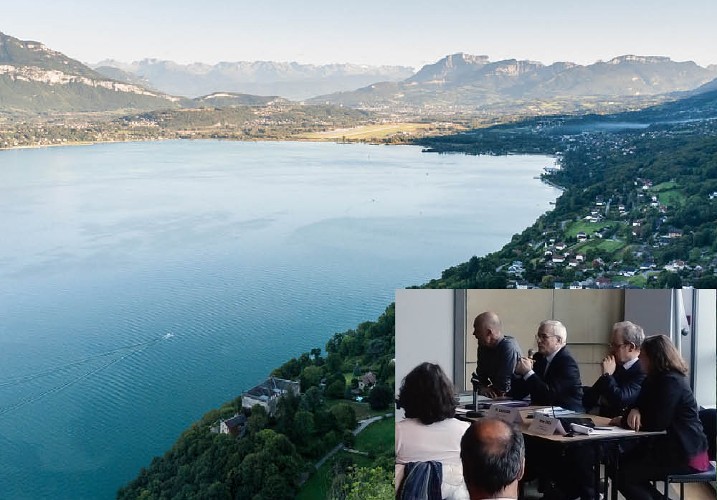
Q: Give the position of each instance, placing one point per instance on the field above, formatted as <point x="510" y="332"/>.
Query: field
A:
<point x="370" y="132"/>
<point x="586" y="227"/>
<point x="376" y="438"/>
<point x="609" y="246"/>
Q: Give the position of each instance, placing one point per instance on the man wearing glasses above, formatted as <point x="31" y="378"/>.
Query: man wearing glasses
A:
<point x="552" y="377"/>
<point x="621" y="379"/>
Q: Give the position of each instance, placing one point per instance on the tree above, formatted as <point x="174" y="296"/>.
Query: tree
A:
<point x="286" y="408"/>
<point x="380" y="397"/>
<point x="258" y="419"/>
<point x="311" y="399"/>
<point x="333" y="362"/>
<point x="336" y="389"/>
<point x="364" y="483"/>
<point x="672" y="280"/>
<point x="334" y="343"/>
<point x="277" y="487"/>
<point x="273" y="465"/>
<point x="345" y="416"/>
<point x="303" y="428"/>
<point x="349" y="439"/>
<point x="310" y="377"/>
<point x="289" y="370"/>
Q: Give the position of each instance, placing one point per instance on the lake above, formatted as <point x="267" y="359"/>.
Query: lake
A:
<point x="143" y="284"/>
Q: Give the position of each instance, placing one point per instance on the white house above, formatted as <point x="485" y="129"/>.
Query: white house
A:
<point x="267" y="393"/>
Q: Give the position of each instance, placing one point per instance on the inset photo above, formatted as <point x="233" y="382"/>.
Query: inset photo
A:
<point x="569" y="393"/>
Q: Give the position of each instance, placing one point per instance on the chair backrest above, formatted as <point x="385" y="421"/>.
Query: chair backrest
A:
<point x="421" y="481"/>
<point x="708" y="418"/>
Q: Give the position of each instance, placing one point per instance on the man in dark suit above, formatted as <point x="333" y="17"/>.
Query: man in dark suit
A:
<point x="552" y="377"/>
<point x="621" y="379"/>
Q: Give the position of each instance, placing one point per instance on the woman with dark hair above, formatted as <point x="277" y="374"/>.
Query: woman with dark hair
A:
<point x="665" y="403"/>
<point x="429" y="432"/>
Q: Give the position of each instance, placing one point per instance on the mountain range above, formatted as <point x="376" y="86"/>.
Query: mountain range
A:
<point x="290" y="80"/>
<point x="35" y="79"/>
<point x="473" y="81"/>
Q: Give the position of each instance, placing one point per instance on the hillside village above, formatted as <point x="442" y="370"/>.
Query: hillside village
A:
<point x="639" y="209"/>
<point x="613" y="245"/>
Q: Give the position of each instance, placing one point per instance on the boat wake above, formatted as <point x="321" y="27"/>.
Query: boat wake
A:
<point x="128" y="350"/>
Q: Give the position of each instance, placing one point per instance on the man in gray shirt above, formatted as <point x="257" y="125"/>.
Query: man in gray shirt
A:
<point x="497" y="355"/>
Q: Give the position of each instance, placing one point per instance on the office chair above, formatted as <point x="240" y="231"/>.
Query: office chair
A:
<point x="709" y="422"/>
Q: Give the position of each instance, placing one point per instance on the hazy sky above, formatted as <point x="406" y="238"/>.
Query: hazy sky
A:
<point x="411" y="33"/>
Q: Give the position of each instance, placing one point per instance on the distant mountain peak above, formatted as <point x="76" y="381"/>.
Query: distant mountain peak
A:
<point x="460" y="67"/>
<point x="291" y="80"/>
<point x="11" y="46"/>
<point x="463" y="58"/>
<point x="639" y="59"/>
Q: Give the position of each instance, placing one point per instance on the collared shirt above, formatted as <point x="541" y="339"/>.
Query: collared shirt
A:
<point x="549" y="359"/>
<point x="628" y="364"/>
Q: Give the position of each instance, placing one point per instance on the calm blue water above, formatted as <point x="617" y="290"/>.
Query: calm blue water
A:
<point x="241" y="254"/>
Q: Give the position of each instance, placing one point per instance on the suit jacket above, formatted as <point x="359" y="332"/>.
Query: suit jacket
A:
<point x="666" y="403"/>
<point x="559" y="386"/>
<point x="619" y="391"/>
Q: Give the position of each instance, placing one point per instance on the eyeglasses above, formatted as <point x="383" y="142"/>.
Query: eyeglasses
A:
<point x="613" y="345"/>
<point x="543" y="336"/>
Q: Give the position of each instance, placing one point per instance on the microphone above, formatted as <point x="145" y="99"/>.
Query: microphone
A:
<point x="531" y="353"/>
<point x="474" y="383"/>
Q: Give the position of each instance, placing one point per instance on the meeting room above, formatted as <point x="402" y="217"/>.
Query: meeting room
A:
<point x="556" y="394"/>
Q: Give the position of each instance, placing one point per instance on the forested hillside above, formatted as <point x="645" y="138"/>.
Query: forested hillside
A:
<point x="276" y="454"/>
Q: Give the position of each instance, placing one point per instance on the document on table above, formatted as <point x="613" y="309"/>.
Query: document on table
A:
<point x="596" y="431"/>
<point x="554" y="411"/>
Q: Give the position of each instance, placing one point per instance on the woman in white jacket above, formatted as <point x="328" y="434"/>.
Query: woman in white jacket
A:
<point x="429" y="432"/>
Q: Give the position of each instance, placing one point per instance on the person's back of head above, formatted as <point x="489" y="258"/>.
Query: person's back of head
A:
<point x="493" y="457"/>
<point x="427" y="394"/>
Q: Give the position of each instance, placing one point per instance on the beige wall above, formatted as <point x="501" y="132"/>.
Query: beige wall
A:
<point x="588" y="316"/>
<point x="424" y="330"/>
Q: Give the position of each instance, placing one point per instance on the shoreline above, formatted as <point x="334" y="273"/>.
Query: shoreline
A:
<point x="268" y="367"/>
<point x="292" y="139"/>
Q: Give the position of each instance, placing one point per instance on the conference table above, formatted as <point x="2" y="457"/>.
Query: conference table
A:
<point x="604" y="443"/>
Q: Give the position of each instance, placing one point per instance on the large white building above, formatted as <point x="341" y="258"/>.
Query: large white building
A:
<point x="267" y="393"/>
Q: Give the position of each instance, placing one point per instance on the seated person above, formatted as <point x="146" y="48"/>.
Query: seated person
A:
<point x="621" y="379"/>
<point x="429" y="431"/>
<point x="497" y="355"/>
<point x="493" y="457"/>
<point x="665" y="403"/>
<point x="553" y="377"/>
<point x="611" y="394"/>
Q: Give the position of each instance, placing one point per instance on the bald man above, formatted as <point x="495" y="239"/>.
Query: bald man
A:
<point x="493" y="458"/>
<point x="497" y="355"/>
